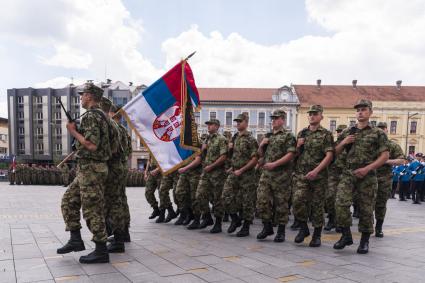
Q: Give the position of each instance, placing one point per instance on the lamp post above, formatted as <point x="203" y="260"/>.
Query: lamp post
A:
<point x="407" y="128"/>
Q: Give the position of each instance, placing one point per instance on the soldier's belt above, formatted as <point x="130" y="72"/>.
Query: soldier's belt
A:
<point x="89" y="161"/>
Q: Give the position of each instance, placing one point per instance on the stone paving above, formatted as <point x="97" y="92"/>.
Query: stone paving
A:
<point x="31" y="229"/>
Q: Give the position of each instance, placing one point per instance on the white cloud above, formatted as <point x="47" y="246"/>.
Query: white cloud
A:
<point x="68" y="57"/>
<point x="60" y="82"/>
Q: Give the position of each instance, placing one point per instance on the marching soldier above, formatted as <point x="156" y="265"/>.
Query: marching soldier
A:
<point x="168" y="182"/>
<point x="367" y="150"/>
<point x="153" y="178"/>
<point x="65" y="174"/>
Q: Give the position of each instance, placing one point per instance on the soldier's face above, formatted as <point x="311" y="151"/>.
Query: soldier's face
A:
<point x="363" y="114"/>
<point x="277" y="122"/>
<point x="84" y="99"/>
<point x="212" y="128"/>
<point x="314" y="118"/>
<point x="241" y="125"/>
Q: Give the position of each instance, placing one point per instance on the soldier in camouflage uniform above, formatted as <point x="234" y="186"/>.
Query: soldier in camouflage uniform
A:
<point x="240" y="187"/>
<point x="34" y="174"/>
<point x="87" y="189"/>
<point x="367" y="150"/>
<point x="212" y="179"/>
<point x="153" y="181"/>
<point x="334" y="174"/>
<point x="65" y="175"/>
<point x="274" y="188"/>
<point x="168" y="183"/>
<point x="384" y="175"/>
<point x="315" y="153"/>
<point x="12" y="173"/>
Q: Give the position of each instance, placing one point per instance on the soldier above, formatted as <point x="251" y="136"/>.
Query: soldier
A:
<point x="228" y="136"/>
<point x="34" y="175"/>
<point x="168" y="182"/>
<point x="87" y="189"/>
<point x="315" y="153"/>
<point x="18" y="174"/>
<point x="274" y="188"/>
<point x="153" y="178"/>
<point x="367" y="150"/>
<point x="12" y="173"/>
<point x="65" y="174"/>
<point x="384" y="175"/>
<point x="212" y="179"/>
<point x="334" y="174"/>
<point x="240" y="186"/>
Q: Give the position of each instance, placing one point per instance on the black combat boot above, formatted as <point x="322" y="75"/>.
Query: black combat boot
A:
<point x="303" y="233"/>
<point x="378" y="229"/>
<point x="280" y="235"/>
<point x="189" y="217"/>
<point x="99" y="255"/>
<point x="171" y="214"/>
<point x="182" y="217"/>
<point x="126" y="234"/>
<point x="244" y="231"/>
<point x="117" y="245"/>
<point x="236" y="222"/>
<point x="217" y="226"/>
<point x="364" y="244"/>
<point x="226" y="217"/>
<point x="206" y="221"/>
<point x="296" y="225"/>
<point x="345" y="240"/>
<point x="161" y="217"/>
<point x="315" y="240"/>
<point x="155" y="213"/>
<point x="195" y="223"/>
<point x="331" y="223"/>
<point x="267" y="231"/>
<point x="75" y="244"/>
<point x="178" y="211"/>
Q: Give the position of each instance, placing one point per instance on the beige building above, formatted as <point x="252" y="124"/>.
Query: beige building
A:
<point x="401" y="107"/>
<point x="4" y="137"/>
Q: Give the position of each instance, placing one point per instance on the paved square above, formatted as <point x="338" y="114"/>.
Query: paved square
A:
<point x="31" y="229"/>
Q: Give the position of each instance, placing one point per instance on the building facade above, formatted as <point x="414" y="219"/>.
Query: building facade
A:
<point x="4" y="137"/>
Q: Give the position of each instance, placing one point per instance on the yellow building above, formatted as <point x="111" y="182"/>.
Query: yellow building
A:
<point x="401" y="107"/>
<point x="4" y="137"/>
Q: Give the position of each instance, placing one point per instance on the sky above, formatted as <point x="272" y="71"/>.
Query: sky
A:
<point x="239" y="43"/>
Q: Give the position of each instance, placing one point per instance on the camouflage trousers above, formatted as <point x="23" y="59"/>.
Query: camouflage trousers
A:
<point x="210" y="189"/>
<point x="273" y="193"/>
<point x="186" y="189"/>
<point x="333" y="180"/>
<point x="86" y="192"/>
<point x="12" y="178"/>
<point x="123" y="194"/>
<point x="309" y="196"/>
<point x="366" y="188"/>
<point x="382" y="196"/>
<point x="114" y="207"/>
<point x="168" y="183"/>
<point x="152" y="184"/>
<point x="239" y="195"/>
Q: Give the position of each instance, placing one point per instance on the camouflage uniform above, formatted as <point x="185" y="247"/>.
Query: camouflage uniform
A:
<point x="239" y="191"/>
<point x="87" y="189"/>
<point x="186" y="188"/>
<point x="168" y="182"/>
<point x="65" y="174"/>
<point x="210" y="186"/>
<point x="274" y="188"/>
<point x="127" y="149"/>
<point x="310" y="194"/>
<point x="18" y="174"/>
<point x="152" y="183"/>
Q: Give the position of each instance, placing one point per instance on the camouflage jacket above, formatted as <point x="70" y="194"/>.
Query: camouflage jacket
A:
<point x="125" y="143"/>
<point x="281" y="142"/>
<point x="395" y="153"/>
<point x="369" y="143"/>
<point x="216" y="147"/>
<point x="317" y="144"/>
<point x="245" y="148"/>
<point x="95" y="129"/>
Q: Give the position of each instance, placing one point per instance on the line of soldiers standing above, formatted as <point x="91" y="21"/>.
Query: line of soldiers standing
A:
<point x="135" y="178"/>
<point x="310" y="173"/>
<point x="25" y="174"/>
<point x="409" y="179"/>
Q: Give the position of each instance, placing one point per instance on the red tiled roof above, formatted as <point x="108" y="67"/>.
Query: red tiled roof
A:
<point x="345" y="96"/>
<point x="237" y="94"/>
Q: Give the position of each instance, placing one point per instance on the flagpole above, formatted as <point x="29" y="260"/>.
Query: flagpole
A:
<point x="188" y="57"/>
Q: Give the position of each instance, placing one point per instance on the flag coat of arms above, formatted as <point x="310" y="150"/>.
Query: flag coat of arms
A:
<point x="162" y="116"/>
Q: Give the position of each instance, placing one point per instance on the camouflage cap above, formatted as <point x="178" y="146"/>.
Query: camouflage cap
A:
<point x="105" y="104"/>
<point x="93" y="89"/>
<point x="340" y="128"/>
<point x="278" y="113"/>
<point x="382" y="125"/>
<point x="213" y="121"/>
<point x="363" y="103"/>
<point x="241" y="117"/>
<point x="315" y="108"/>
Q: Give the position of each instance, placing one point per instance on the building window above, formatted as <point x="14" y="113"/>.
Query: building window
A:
<point x="21" y="115"/>
<point x="39" y="115"/>
<point x="20" y="100"/>
<point x="261" y="119"/>
<point x="39" y="131"/>
<point x="229" y="116"/>
<point x="373" y="123"/>
<point x="75" y="99"/>
<point x="3" y="150"/>
<point x="393" y="127"/>
<point x="58" y="131"/>
<point x="352" y="123"/>
<point x="58" y="115"/>
<point x="39" y="99"/>
<point x="21" y="131"/>
<point x="40" y="148"/>
<point x="332" y="126"/>
<point x="411" y="149"/>
<point x="21" y="148"/>
<point x="197" y="117"/>
<point x="76" y="115"/>
<point x="213" y="115"/>
<point x="3" y="137"/>
<point x="58" y="147"/>
<point x="413" y="125"/>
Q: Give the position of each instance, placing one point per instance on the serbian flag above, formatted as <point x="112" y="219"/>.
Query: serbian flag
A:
<point x="156" y="116"/>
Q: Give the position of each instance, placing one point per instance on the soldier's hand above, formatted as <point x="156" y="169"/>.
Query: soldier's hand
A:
<point x="237" y="173"/>
<point x="312" y="175"/>
<point x="361" y="172"/>
<point x="154" y="172"/>
<point x="300" y="142"/>
<point x="349" y="139"/>
<point x="71" y="126"/>
<point x="208" y="168"/>
<point x="228" y="171"/>
<point x="145" y="177"/>
<point x="204" y="146"/>
<point x="264" y="141"/>
<point x="182" y="170"/>
<point x="269" y="166"/>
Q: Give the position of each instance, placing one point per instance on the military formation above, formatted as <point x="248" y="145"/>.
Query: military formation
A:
<point x="310" y="175"/>
<point x="33" y="174"/>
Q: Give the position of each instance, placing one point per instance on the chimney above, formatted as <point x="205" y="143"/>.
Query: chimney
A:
<point x="108" y="81"/>
<point x="319" y="82"/>
<point x="130" y="83"/>
<point x="398" y="84"/>
<point x="354" y="83"/>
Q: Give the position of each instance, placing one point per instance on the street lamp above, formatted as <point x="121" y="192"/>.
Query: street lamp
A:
<point x="407" y="128"/>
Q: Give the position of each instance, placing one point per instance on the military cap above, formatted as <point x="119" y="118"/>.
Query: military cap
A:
<point x="315" y="108"/>
<point x="241" y="117"/>
<point x="419" y="154"/>
<point x="93" y="89"/>
<point x="382" y="125"/>
<point x="278" y="113"/>
<point x="114" y="108"/>
<point x="213" y="121"/>
<point x="363" y="103"/>
<point x="105" y="104"/>
<point x="340" y="128"/>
